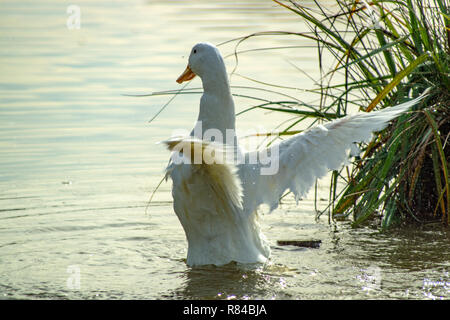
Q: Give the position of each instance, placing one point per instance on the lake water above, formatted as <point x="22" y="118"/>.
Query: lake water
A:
<point x="79" y="161"/>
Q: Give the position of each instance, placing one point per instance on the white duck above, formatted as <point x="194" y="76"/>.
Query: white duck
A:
<point x="217" y="203"/>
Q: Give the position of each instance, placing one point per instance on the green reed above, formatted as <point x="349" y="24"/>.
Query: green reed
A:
<point x="388" y="52"/>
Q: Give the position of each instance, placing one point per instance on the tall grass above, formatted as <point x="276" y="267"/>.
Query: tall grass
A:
<point x="388" y="52"/>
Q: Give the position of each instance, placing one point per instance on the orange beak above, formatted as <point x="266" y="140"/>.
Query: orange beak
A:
<point x="187" y="75"/>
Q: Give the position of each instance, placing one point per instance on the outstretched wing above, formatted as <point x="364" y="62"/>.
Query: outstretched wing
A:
<point x="298" y="161"/>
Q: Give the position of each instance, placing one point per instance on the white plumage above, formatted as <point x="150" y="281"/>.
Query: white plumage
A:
<point x="216" y="198"/>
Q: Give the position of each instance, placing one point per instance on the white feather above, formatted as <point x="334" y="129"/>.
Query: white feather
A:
<point x="215" y="163"/>
<point x="308" y="156"/>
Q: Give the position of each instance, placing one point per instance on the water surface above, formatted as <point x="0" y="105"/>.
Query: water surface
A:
<point x="79" y="160"/>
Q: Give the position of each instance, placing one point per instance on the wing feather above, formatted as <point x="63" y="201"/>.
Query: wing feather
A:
<point x="213" y="161"/>
<point x="308" y="156"/>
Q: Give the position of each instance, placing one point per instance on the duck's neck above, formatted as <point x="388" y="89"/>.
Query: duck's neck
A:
<point x="216" y="116"/>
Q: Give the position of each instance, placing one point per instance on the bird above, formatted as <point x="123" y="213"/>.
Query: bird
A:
<point x="217" y="187"/>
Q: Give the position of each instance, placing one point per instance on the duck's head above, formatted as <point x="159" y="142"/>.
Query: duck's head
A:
<point x="204" y="59"/>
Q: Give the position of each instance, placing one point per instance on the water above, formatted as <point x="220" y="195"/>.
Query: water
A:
<point x="79" y="162"/>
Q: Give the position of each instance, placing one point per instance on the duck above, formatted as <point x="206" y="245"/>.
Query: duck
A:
<point x="218" y="188"/>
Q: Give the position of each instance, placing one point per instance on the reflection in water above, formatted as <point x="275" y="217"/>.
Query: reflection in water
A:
<point x="235" y="281"/>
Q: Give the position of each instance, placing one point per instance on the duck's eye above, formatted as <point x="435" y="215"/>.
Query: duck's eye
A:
<point x="195" y="50"/>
